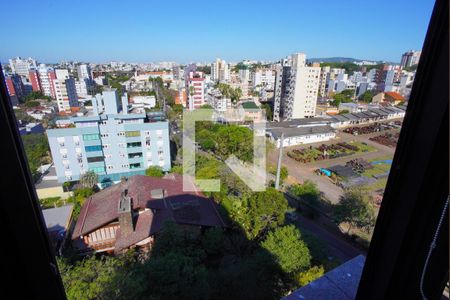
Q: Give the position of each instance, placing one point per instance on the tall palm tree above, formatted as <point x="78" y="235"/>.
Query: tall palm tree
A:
<point x="89" y="179"/>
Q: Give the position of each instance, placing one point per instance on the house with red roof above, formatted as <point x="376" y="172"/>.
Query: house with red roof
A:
<point x="131" y="213"/>
<point x="393" y="98"/>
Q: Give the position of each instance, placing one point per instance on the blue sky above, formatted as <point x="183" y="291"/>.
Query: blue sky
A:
<point x="186" y="31"/>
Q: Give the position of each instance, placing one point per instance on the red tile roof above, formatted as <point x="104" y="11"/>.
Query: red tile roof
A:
<point x="182" y="207"/>
<point x="395" y="96"/>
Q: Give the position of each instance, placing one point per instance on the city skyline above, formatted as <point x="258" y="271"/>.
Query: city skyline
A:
<point x="143" y="32"/>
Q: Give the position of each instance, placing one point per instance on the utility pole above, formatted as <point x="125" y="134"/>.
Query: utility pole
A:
<point x="277" y="181"/>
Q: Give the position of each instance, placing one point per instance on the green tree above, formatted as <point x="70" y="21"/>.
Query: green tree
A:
<point x="342" y="97"/>
<point x="37" y="151"/>
<point x="212" y="241"/>
<point x="89" y="179"/>
<point x="269" y="112"/>
<point x="237" y="140"/>
<point x="236" y="94"/>
<point x="177" y="169"/>
<point x="78" y="199"/>
<point x="35" y="96"/>
<point x="284" y="173"/>
<point x="154" y="171"/>
<point x="32" y="104"/>
<point x="367" y="96"/>
<point x="313" y="273"/>
<point x="102" y="278"/>
<point x="290" y="252"/>
<point x="264" y="211"/>
<point x="355" y="209"/>
<point x="308" y="191"/>
<point x="175" y="276"/>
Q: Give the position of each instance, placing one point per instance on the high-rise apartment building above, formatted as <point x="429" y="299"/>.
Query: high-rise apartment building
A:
<point x="296" y="89"/>
<point x="22" y="66"/>
<point x="15" y="88"/>
<point x="35" y="81"/>
<point x="110" y="142"/>
<point x="195" y="87"/>
<point x="410" y="58"/>
<point x="84" y="72"/>
<point x="263" y="77"/>
<point x="220" y="71"/>
<point x="323" y="79"/>
<point x="65" y="90"/>
<point x="46" y="77"/>
<point x="84" y="83"/>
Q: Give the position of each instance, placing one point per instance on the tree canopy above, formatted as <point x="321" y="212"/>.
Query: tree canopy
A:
<point x="264" y="211"/>
<point x="154" y="171"/>
<point x="37" y="151"/>
<point x="89" y="179"/>
<point x="290" y="252"/>
<point x="355" y="209"/>
<point x="367" y="96"/>
<point x="342" y="97"/>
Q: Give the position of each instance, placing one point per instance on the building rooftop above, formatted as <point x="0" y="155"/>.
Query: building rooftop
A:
<point x="190" y="208"/>
<point x="395" y="96"/>
<point x="58" y="218"/>
<point x="300" y="131"/>
<point x="300" y="123"/>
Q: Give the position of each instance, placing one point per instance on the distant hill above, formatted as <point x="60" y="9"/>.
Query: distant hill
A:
<point x="340" y="60"/>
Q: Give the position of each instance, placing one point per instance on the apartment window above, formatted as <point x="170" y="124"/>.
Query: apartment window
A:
<point x="95" y="159"/>
<point x="135" y="144"/>
<point x="91" y="137"/>
<point x="132" y="133"/>
<point x="97" y="170"/>
<point x="93" y="148"/>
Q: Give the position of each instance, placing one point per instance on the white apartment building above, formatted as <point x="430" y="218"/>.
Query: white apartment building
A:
<point x="84" y="72"/>
<point x="296" y="89"/>
<point x="217" y="101"/>
<point x="244" y="75"/>
<point x="46" y="77"/>
<point x="81" y="87"/>
<point x="220" y="71"/>
<point x="22" y="66"/>
<point x="264" y="77"/>
<point x="65" y="90"/>
<point x="195" y="87"/>
<point x="323" y="79"/>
